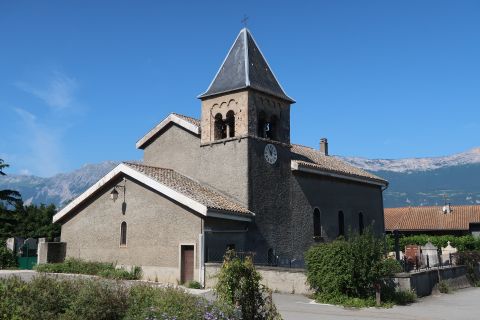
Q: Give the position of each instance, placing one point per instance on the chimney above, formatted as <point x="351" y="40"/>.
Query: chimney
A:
<point x="324" y="146"/>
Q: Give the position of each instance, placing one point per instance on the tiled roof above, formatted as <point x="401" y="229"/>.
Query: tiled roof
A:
<point x="195" y="122"/>
<point x="431" y="218"/>
<point x="190" y="188"/>
<point x="312" y="158"/>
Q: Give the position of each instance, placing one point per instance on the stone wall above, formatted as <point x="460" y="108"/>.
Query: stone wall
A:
<point x="51" y="252"/>
<point x="281" y="280"/>
<point x="423" y="282"/>
<point x="330" y="196"/>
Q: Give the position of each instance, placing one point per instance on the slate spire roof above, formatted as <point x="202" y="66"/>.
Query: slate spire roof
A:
<point x="245" y="67"/>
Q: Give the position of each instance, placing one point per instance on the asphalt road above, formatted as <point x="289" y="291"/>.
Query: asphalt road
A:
<point x="459" y="305"/>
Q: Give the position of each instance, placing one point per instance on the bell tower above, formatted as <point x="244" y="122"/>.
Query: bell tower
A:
<point x="245" y="135"/>
<point x="245" y="99"/>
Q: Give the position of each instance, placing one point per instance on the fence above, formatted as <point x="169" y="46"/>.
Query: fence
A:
<point x="259" y="258"/>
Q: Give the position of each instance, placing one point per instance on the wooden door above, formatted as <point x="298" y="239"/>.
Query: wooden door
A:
<point x="187" y="264"/>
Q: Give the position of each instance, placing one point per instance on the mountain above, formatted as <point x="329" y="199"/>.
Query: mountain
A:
<point x="59" y="189"/>
<point x="427" y="181"/>
<point x="414" y="181"/>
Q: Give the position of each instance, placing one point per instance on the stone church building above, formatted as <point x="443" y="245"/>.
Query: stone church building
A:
<point x="231" y="179"/>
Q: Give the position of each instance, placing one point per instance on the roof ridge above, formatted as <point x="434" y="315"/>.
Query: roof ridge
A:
<point x="182" y="115"/>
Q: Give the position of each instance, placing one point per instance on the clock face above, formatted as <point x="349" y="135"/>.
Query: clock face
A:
<point x="270" y="153"/>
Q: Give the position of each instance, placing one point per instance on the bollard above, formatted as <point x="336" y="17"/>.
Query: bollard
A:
<point x="378" y="299"/>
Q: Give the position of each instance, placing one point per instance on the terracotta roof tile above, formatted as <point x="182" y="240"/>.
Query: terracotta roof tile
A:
<point x="313" y="158"/>
<point x="431" y="218"/>
<point x="195" y="122"/>
<point x="190" y="188"/>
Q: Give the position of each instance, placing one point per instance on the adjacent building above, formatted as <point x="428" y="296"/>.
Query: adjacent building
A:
<point x="435" y="220"/>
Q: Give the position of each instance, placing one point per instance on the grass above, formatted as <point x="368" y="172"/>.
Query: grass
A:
<point x="102" y="269"/>
<point x="194" y="285"/>
<point x="396" y="298"/>
<point x="45" y="298"/>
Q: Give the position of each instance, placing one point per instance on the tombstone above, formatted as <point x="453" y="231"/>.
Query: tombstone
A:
<point x="11" y="244"/>
<point x="429" y="255"/>
<point x="447" y="252"/>
<point x="412" y="255"/>
<point x="15" y="244"/>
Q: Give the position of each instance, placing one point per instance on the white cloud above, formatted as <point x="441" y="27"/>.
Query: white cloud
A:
<point x="58" y="93"/>
<point x="42" y="145"/>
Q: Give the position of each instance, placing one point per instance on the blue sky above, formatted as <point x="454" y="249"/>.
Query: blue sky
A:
<point x="82" y="81"/>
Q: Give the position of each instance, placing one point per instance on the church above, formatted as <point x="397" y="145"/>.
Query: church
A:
<point x="229" y="180"/>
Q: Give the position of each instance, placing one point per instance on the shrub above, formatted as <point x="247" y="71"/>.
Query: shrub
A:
<point x="7" y="257"/>
<point x="47" y="298"/>
<point x="470" y="259"/>
<point x="443" y="287"/>
<point x="343" y="270"/>
<point x="194" y="285"/>
<point x="239" y="284"/>
<point x="169" y="303"/>
<point x="102" y="269"/>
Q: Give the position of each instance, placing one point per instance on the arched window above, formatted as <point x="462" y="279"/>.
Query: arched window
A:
<point x="360" y="223"/>
<point x="261" y="124"/>
<point x="220" y="128"/>
<point x="317" y="223"/>
<point x="230" y="124"/>
<point x="341" y="224"/>
<point x="123" y="234"/>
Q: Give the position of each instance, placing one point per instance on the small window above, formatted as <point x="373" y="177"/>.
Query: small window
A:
<point x="360" y="223"/>
<point x="341" y="224"/>
<point x="230" y="124"/>
<point x="123" y="234"/>
<point x="317" y="223"/>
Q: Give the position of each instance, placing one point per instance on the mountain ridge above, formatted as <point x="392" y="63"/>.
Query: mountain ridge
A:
<point x="412" y="181"/>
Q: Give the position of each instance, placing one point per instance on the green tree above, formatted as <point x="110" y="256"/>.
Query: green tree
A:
<point x="11" y="197"/>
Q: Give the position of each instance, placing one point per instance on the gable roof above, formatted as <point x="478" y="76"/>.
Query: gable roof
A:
<point x="311" y="160"/>
<point x="431" y="218"/>
<point x="188" y="123"/>
<point x="245" y="67"/>
<point x="173" y="185"/>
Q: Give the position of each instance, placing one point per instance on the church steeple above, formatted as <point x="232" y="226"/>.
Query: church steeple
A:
<point x="245" y="67"/>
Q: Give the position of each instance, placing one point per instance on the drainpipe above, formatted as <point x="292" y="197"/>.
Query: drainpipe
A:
<point x="201" y="242"/>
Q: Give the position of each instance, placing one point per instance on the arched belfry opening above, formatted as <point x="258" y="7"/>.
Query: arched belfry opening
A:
<point x="245" y="78"/>
<point x="230" y="124"/>
<point x="220" y="131"/>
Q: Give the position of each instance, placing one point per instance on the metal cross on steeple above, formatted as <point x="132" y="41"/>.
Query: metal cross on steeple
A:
<point x="244" y="20"/>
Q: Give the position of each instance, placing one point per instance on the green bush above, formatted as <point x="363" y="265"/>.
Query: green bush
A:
<point x="194" y="285"/>
<point x="76" y="299"/>
<point x="7" y="257"/>
<point x="443" y="287"/>
<point x="239" y="285"/>
<point x="344" y="270"/>
<point x="102" y="269"/>
<point x="470" y="259"/>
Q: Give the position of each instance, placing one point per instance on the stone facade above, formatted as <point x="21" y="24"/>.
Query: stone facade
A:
<point x="94" y="233"/>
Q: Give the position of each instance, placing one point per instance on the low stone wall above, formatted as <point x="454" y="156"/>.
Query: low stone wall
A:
<point x="51" y="252"/>
<point x="423" y="282"/>
<point x="284" y="280"/>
